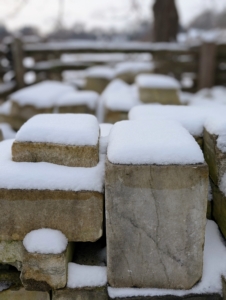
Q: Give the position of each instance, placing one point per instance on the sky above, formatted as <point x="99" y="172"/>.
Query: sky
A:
<point x="108" y="14"/>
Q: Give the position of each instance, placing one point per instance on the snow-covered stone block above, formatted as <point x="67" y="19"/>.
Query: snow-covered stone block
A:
<point x="215" y="147"/>
<point x="78" y="102"/>
<point x="98" y="77"/>
<point x="156" y="199"/>
<point x="22" y="294"/>
<point x="67" y="139"/>
<point x="45" y="195"/>
<point x="154" y="88"/>
<point x="45" y="260"/>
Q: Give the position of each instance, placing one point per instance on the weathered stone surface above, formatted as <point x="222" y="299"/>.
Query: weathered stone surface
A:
<point x="67" y="155"/>
<point x="219" y="208"/>
<point x="11" y="252"/>
<point x="22" y="294"/>
<point x="79" y="215"/>
<point x="163" y="96"/>
<point x="11" y="278"/>
<point x="215" y="159"/>
<point x="96" y="84"/>
<point x="28" y="111"/>
<point x="44" y="272"/>
<point x="155" y="222"/>
<point x="76" y="109"/>
<point x="199" y="140"/>
<point x="115" y="116"/>
<point x="97" y="293"/>
<point x="188" y="297"/>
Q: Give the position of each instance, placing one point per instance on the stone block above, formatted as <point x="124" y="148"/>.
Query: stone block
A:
<point x="44" y="272"/>
<point x="96" y="293"/>
<point x="97" y="84"/>
<point x="115" y="116"/>
<point x="214" y="157"/>
<point x="155" y="223"/>
<point x="11" y="252"/>
<point x="14" y="121"/>
<point x="209" y="210"/>
<point x="10" y="278"/>
<point x="78" y="215"/>
<point x="162" y="96"/>
<point x="67" y="155"/>
<point x="22" y="294"/>
<point x="169" y="297"/>
<point x="76" y="109"/>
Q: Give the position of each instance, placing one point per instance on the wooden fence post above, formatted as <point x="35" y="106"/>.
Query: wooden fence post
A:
<point x="207" y="66"/>
<point x="17" y="60"/>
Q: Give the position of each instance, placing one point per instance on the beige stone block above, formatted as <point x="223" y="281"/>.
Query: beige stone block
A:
<point x="215" y="159"/>
<point x="155" y="224"/>
<point x="115" y="116"/>
<point x="76" y="109"/>
<point x="22" y="294"/>
<point x="11" y="252"/>
<point x="67" y="155"/>
<point x="96" y="84"/>
<point x="78" y="215"/>
<point x="27" y="111"/>
<point x="129" y="77"/>
<point x="96" y="293"/>
<point x="44" y="272"/>
<point x="15" y="121"/>
<point x="162" y="96"/>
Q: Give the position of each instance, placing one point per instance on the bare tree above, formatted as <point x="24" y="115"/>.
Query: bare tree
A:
<point x="166" y="21"/>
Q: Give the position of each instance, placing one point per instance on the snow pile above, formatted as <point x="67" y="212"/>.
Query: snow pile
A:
<point x="41" y="95"/>
<point x="88" y="98"/>
<point x="104" y="136"/>
<point x="67" y="129"/>
<point x="101" y="72"/>
<point x="159" y="141"/>
<point x="213" y="96"/>
<point x="155" y="81"/>
<point x="120" y="96"/>
<point x="47" y="176"/>
<point x="45" y="241"/>
<point x="7" y="131"/>
<point x="5" y="108"/>
<point x="217" y="126"/>
<point x="214" y="267"/>
<point x="133" y="67"/>
<point x="86" y="276"/>
<point x="191" y="117"/>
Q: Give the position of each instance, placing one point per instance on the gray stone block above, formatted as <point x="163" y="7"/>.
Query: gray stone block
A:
<point x="96" y="293"/>
<point x="22" y="294"/>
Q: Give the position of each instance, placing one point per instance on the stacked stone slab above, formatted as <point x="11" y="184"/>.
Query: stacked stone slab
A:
<point x="215" y="156"/>
<point x="97" y="78"/>
<point x="155" y="206"/>
<point x="38" y="190"/>
<point x="155" y="88"/>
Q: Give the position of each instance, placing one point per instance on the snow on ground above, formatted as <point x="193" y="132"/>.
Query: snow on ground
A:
<point x="7" y="131"/>
<point x="120" y="96"/>
<point x="104" y="136"/>
<point x="159" y="141"/>
<point x="213" y="269"/>
<point x="45" y="241"/>
<point x="101" y="72"/>
<point x="67" y="129"/>
<point x="88" y="98"/>
<point x="86" y="276"/>
<point x="47" y="176"/>
<point x="191" y="117"/>
<point x="41" y="95"/>
<point x="133" y="67"/>
<point x="156" y="81"/>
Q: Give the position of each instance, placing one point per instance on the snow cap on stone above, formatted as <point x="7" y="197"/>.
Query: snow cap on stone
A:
<point x="156" y="81"/>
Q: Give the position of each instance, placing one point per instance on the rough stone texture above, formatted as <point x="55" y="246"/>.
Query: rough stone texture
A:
<point x="28" y="111"/>
<point x="67" y="155"/>
<point x="44" y="272"/>
<point x="163" y="96"/>
<point x="188" y="297"/>
<point x="79" y="215"/>
<point x="115" y="116"/>
<point x="98" y="293"/>
<point x="215" y="159"/>
<point x="22" y="294"/>
<point x="76" y="109"/>
<point x="11" y="252"/>
<point x="155" y="222"/>
<point x="96" y="84"/>
<point x="219" y="208"/>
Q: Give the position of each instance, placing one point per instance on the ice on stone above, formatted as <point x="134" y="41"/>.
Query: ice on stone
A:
<point x="158" y="141"/>
<point x="45" y="241"/>
<point x="156" y="81"/>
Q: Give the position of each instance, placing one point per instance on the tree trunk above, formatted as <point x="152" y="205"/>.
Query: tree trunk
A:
<point x="165" y="21"/>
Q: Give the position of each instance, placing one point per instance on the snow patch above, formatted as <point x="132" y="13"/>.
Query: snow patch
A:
<point x="133" y="67"/>
<point x="101" y="72"/>
<point x="88" y="98"/>
<point x="104" y="137"/>
<point x="155" y="81"/>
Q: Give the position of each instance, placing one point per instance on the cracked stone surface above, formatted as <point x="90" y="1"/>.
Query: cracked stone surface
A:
<point x="155" y="222"/>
